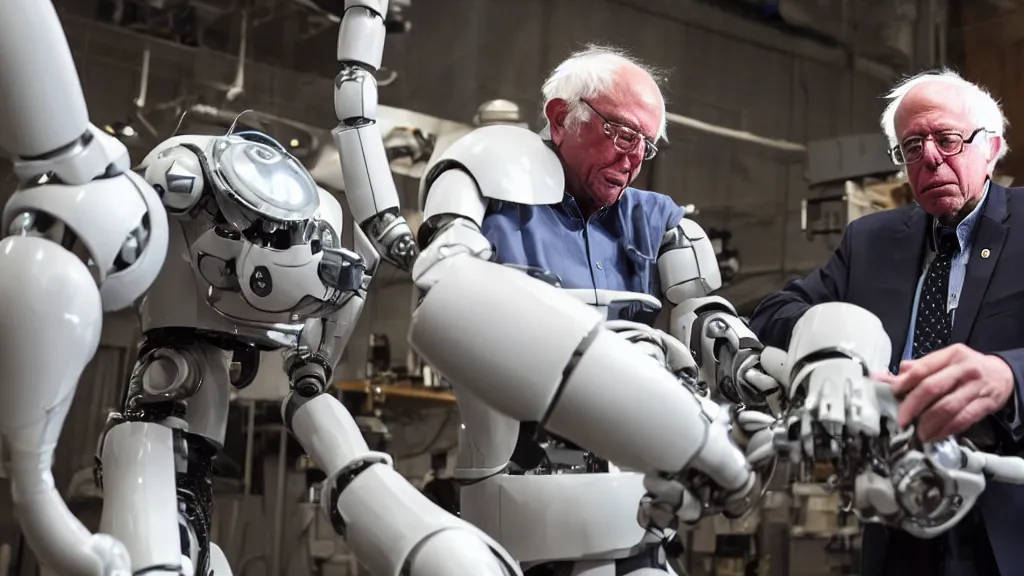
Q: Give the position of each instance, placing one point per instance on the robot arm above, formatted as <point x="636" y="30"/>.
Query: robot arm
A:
<point x="390" y="526"/>
<point x="369" y="185"/>
<point x="82" y="234"/>
<point x="726" y="351"/>
<point x="842" y="419"/>
<point x="534" y="353"/>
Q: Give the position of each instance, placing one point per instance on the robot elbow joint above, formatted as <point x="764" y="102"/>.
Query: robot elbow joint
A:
<point x="355" y="96"/>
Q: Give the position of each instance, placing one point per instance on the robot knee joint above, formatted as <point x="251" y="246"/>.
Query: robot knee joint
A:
<point x="162" y="378"/>
<point x="42" y="224"/>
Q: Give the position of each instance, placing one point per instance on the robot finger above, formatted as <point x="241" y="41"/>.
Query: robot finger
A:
<point x="753" y="421"/>
<point x="763" y="382"/>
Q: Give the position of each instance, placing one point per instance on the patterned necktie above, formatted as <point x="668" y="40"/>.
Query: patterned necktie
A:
<point x="934" y="326"/>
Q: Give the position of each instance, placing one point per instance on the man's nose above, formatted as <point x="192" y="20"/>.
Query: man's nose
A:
<point x="930" y="154"/>
<point x="634" y="157"/>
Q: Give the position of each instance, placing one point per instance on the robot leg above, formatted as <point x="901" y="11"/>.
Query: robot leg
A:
<point x="391" y="527"/>
<point x="218" y="562"/>
<point x="180" y="385"/>
<point x="48" y="303"/>
<point x="536" y="354"/>
<point x="140" y="501"/>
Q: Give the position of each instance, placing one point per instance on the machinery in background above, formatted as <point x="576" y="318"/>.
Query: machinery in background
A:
<point x="411" y="140"/>
<point x="188" y="22"/>
<point x="849" y="177"/>
<point x="378" y="358"/>
<point x="728" y="257"/>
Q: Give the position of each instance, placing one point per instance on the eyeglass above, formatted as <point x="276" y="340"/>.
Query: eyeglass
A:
<point x="948" y="143"/>
<point x="624" y="138"/>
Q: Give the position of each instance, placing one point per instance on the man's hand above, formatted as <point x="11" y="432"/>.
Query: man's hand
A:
<point x="949" y="390"/>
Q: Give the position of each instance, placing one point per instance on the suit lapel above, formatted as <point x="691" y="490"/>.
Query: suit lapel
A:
<point x="900" y="265"/>
<point x="985" y="250"/>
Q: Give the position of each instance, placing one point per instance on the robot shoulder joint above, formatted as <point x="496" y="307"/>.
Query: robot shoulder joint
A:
<point x="508" y="163"/>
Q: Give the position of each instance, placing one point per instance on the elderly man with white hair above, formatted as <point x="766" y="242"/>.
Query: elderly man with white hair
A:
<point x="604" y="114"/>
<point x="944" y="276"/>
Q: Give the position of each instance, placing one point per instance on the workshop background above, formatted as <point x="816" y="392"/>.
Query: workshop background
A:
<point x="774" y="140"/>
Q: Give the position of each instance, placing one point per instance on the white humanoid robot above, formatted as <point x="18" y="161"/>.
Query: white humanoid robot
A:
<point x="254" y="263"/>
<point x="517" y="348"/>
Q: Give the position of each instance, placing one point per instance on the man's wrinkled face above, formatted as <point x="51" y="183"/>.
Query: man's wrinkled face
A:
<point x="595" y="167"/>
<point x="946" y="186"/>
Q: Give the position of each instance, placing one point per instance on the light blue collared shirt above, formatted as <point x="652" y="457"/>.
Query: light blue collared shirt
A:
<point x="616" y="248"/>
<point x="957" y="271"/>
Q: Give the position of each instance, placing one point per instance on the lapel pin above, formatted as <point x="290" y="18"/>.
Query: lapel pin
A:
<point x="985" y="253"/>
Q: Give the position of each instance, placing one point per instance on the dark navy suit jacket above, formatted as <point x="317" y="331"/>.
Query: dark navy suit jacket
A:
<point x="877" y="266"/>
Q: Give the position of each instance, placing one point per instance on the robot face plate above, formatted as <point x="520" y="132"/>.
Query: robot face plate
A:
<point x="266" y="183"/>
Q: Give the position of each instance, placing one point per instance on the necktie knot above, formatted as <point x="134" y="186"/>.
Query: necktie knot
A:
<point x="947" y="243"/>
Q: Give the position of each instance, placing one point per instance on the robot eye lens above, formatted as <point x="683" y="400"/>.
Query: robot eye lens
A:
<point x="269" y="181"/>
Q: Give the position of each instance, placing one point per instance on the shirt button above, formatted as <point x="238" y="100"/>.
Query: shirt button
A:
<point x="599" y="266"/>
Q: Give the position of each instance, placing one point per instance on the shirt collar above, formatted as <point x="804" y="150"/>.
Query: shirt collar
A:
<point x="966" y="226"/>
<point x="568" y="204"/>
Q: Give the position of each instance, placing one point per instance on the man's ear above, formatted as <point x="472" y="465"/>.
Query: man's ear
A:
<point x="556" y="111"/>
<point x="995" y="146"/>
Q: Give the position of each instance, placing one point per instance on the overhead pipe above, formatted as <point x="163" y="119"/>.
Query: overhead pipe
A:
<point x="734" y="134"/>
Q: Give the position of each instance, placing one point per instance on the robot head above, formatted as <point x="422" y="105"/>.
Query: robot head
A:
<point x="259" y="189"/>
<point x="256" y="181"/>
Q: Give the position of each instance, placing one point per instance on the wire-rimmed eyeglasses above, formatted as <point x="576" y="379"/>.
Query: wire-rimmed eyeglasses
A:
<point x="624" y="138"/>
<point x="947" y="142"/>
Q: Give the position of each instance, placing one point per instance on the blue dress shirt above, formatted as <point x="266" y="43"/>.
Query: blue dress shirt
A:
<point x="616" y="248"/>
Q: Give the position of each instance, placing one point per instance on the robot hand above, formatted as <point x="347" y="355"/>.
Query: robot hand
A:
<point x="754" y="431"/>
<point x="676" y="501"/>
<point x="825" y="372"/>
<point x="841" y="419"/>
<point x="730" y="358"/>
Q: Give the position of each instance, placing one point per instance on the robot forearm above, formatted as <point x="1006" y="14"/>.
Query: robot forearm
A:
<point x="390" y="526"/>
<point x="42" y="108"/>
<point x="369" y="185"/>
<point x="563" y="369"/>
<point x="726" y="351"/>
<point x="310" y="365"/>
